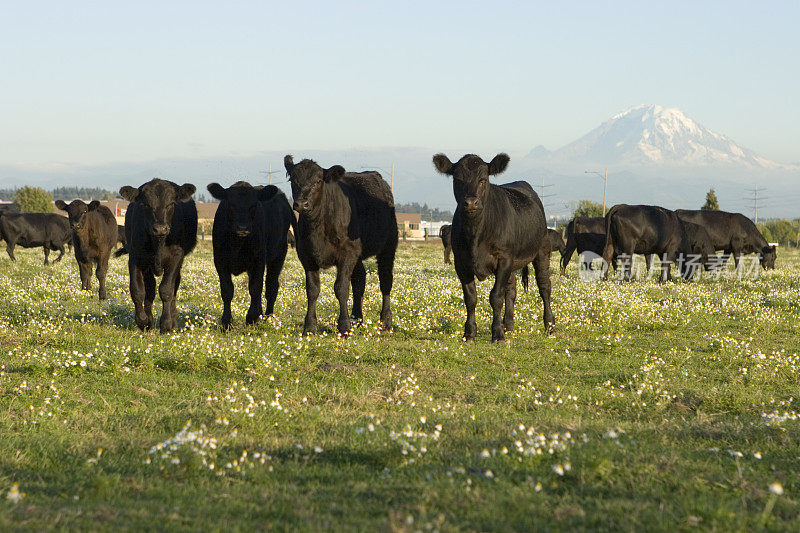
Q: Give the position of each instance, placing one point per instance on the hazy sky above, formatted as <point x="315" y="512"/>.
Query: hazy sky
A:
<point x="95" y="82"/>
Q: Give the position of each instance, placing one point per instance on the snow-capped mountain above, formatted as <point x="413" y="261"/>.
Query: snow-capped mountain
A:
<point x="651" y="135"/>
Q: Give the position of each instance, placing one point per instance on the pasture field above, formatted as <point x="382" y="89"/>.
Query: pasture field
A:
<point x="653" y="407"/>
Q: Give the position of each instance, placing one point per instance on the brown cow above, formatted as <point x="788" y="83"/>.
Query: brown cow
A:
<point x="94" y="234"/>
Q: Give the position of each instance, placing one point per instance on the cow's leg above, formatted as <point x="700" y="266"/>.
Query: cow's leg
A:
<point x="386" y="279"/>
<point x="312" y="293"/>
<point x="255" y="285"/>
<point x="85" y="271"/>
<point x="470" y="301"/>
<point x="46" y="255"/>
<point x="166" y="291"/>
<point x="10" y="249"/>
<point x="567" y="255"/>
<point x="648" y="262"/>
<point x="341" y="288"/>
<point x="175" y="286"/>
<point x="149" y="295"/>
<point x="226" y="292"/>
<point x="447" y="255"/>
<point x="102" y="270"/>
<point x="497" y="298"/>
<point x="666" y="265"/>
<point x="272" y="283"/>
<point x="359" y="281"/>
<point x="138" y="288"/>
<point x="511" y="298"/>
<point x="60" y="248"/>
<point x="541" y="267"/>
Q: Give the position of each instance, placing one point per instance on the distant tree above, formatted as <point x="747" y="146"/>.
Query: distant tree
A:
<point x="84" y="193"/>
<point x="34" y="200"/>
<point x="711" y="201"/>
<point x="588" y="208"/>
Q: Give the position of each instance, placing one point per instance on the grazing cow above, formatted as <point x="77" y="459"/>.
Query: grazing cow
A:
<point x="160" y="230"/>
<point x="733" y="233"/>
<point x="556" y="241"/>
<point x="249" y="235"/>
<point x="695" y="250"/>
<point x="345" y="217"/>
<point x="584" y="234"/>
<point x="643" y="229"/>
<point x="497" y="229"/>
<point x="30" y="230"/>
<point x="94" y="234"/>
<point x="444" y="234"/>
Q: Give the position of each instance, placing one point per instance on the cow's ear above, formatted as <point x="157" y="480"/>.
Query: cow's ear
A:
<point x="185" y="192"/>
<point x="332" y="174"/>
<point x="288" y="163"/>
<point x="443" y="164"/>
<point x="267" y="193"/>
<point x="498" y="164"/>
<point x="129" y="193"/>
<point x="61" y="204"/>
<point x="216" y="190"/>
<point x="94" y="204"/>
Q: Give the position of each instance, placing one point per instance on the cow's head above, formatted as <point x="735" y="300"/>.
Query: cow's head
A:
<point x="241" y="204"/>
<point x="471" y="178"/>
<point x="76" y="211"/>
<point x="307" y="179"/>
<point x="768" y="256"/>
<point x="158" y="198"/>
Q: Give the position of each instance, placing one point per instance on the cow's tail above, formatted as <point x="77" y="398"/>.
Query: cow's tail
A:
<point x="121" y="251"/>
<point x="525" y="278"/>
<point x="608" y="249"/>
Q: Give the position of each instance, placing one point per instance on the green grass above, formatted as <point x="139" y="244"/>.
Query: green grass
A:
<point x="649" y="409"/>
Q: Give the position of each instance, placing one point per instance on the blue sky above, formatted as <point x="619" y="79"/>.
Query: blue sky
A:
<point x="97" y="82"/>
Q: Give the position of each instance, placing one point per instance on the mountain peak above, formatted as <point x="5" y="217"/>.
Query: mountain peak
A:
<point x="652" y="135"/>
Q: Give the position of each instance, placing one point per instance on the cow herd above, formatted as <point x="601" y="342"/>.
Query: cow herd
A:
<point x="344" y="218"/>
<point x="672" y="236"/>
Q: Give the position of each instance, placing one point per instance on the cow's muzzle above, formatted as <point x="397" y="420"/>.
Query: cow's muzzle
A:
<point x="472" y="204"/>
<point x="160" y="230"/>
<point x="301" y="206"/>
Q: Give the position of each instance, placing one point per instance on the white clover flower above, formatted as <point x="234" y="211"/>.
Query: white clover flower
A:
<point x="776" y="488"/>
<point x="14" y="495"/>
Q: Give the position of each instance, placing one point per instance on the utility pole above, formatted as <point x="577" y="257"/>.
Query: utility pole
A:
<point x="269" y="173"/>
<point x="542" y="195"/>
<point x="604" y="175"/>
<point x="392" y="179"/>
<point x="755" y="198"/>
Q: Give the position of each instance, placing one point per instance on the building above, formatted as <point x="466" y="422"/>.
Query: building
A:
<point x="409" y="226"/>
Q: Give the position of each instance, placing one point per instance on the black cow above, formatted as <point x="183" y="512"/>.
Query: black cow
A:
<point x="695" y="250"/>
<point x="160" y="229"/>
<point x="444" y="234"/>
<point x="497" y="229"/>
<point x="9" y="209"/>
<point x="584" y="234"/>
<point x="249" y="235"/>
<point x="643" y="229"/>
<point x="94" y="234"/>
<point x="556" y="241"/>
<point x="345" y="217"/>
<point x="121" y="235"/>
<point x="30" y="230"/>
<point x="733" y="233"/>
